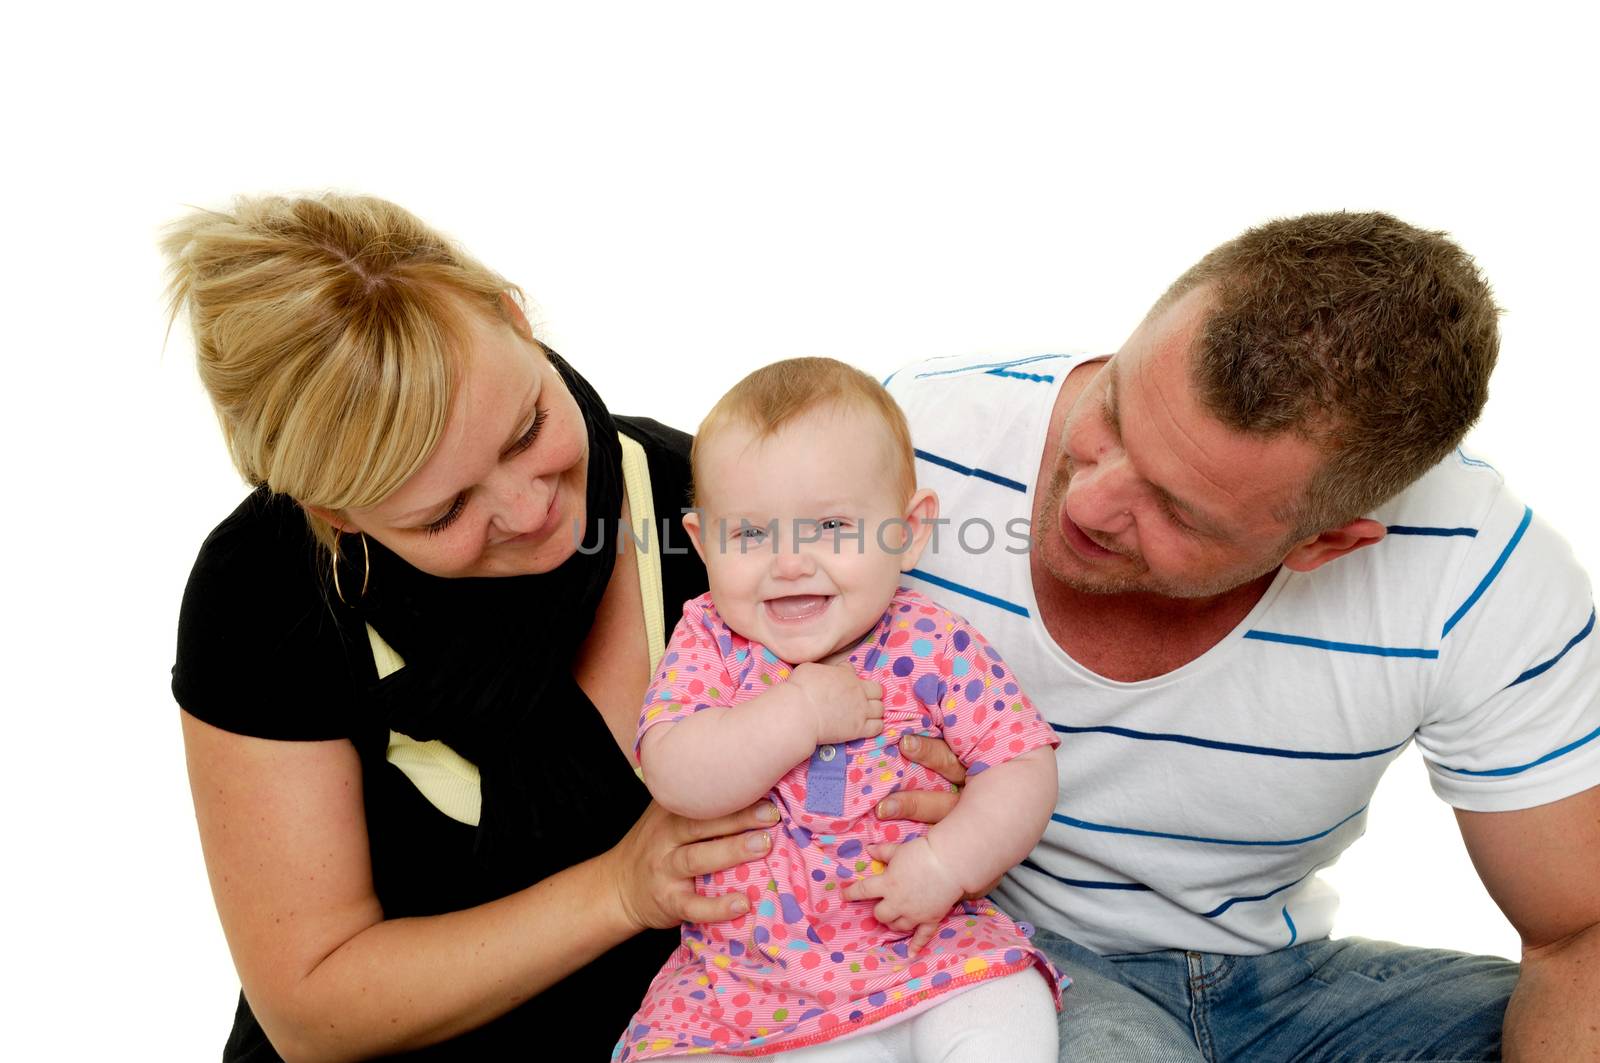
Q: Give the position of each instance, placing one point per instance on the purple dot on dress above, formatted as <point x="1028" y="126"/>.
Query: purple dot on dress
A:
<point x="1013" y="955"/>
<point x="927" y="689"/>
<point x="845" y="872"/>
<point x="1010" y="689"/>
<point x="900" y="949"/>
<point x="849" y="848"/>
<point x="735" y="948"/>
<point x="801" y="836"/>
<point x="873" y="656"/>
<point x="811" y="935"/>
<point x="947" y="932"/>
<point x="903" y="666"/>
<point x="994" y="654"/>
<point x="791" y="908"/>
<point x="950" y="720"/>
<point x="761" y="935"/>
<point x="941" y="978"/>
<point x="925" y="624"/>
<point x="877" y="999"/>
<point x="810" y="1013"/>
<point x="856" y="1016"/>
<point x="960" y="640"/>
<point x="977" y="766"/>
<point x="641" y="1029"/>
<point x="997" y="671"/>
<point x="698" y="994"/>
<point x="974" y="690"/>
<point x="836" y="957"/>
<point x="818" y="874"/>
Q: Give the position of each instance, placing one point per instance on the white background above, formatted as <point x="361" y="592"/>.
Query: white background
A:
<point x="687" y="191"/>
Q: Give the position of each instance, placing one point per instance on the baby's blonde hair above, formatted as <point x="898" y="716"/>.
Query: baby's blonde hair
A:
<point x="776" y="394"/>
<point x="329" y="332"/>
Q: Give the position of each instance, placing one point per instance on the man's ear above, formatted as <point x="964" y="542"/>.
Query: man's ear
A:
<point x="339" y="522"/>
<point x="691" y="524"/>
<point x="1312" y="553"/>
<point x="919" y="518"/>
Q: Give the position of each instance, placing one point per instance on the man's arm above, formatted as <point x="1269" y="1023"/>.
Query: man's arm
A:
<point x="1542" y="867"/>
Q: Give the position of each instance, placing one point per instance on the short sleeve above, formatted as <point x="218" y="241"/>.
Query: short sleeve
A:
<point x="980" y="707"/>
<point x="1515" y="719"/>
<point x="261" y="651"/>
<point x="693" y="673"/>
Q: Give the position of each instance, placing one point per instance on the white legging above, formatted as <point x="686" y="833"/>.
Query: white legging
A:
<point x="1003" y="1020"/>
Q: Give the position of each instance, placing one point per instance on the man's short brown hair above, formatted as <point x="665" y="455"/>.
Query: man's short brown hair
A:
<point x="1371" y="337"/>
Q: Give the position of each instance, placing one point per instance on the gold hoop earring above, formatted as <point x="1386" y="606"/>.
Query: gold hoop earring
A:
<point x="366" y="560"/>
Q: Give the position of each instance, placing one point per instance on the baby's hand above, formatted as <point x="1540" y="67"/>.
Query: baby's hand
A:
<point x="843" y="706"/>
<point x="917" y="891"/>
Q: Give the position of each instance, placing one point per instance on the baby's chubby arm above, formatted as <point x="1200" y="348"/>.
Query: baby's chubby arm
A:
<point x="723" y="758"/>
<point x="1002" y="813"/>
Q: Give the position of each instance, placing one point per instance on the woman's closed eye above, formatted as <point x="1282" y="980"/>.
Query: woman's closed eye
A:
<point x="523" y="442"/>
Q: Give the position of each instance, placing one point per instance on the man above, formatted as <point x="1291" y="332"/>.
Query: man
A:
<point x="1260" y="566"/>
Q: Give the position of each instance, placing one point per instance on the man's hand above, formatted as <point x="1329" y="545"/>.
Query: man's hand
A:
<point x="843" y="706"/>
<point x="915" y="892"/>
<point x="929" y="806"/>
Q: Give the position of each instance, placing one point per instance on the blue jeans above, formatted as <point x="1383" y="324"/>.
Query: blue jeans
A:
<point x="1316" y="1002"/>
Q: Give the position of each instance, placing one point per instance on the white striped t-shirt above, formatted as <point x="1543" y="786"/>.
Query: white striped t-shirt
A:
<point x="1196" y="807"/>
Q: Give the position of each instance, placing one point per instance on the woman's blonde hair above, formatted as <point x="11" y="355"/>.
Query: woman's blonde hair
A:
<point x="329" y="332"/>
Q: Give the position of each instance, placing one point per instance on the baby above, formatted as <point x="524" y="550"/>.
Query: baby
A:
<point x="795" y="678"/>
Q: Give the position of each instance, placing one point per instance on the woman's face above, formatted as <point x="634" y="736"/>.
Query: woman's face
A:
<point x="504" y="492"/>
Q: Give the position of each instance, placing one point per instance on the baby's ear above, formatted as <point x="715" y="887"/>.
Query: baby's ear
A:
<point x="921" y="513"/>
<point x="691" y="524"/>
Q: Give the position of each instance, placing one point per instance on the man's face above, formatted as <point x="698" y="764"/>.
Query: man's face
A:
<point x="1150" y="493"/>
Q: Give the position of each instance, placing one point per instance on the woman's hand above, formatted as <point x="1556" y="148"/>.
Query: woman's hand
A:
<point x="929" y="806"/>
<point x="657" y="861"/>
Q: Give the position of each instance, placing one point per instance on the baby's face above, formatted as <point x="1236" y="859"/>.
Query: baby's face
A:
<point x="802" y="532"/>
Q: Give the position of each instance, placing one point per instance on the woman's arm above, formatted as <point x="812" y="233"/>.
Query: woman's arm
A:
<point x="283" y="828"/>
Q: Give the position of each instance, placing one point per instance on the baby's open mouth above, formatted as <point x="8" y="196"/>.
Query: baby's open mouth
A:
<point x="795" y="607"/>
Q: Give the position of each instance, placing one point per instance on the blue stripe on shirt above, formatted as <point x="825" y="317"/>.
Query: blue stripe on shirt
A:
<point x="1341" y="647"/>
<point x="970" y="592"/>
<point x="1544" y="666"/>
<point x="1036" y="378"/>
<point x="1105" y="828"/>
<point x="1086" y="883"/>
<point x="1489" y="577"/>
<point x="1231" y="747"/>
<point x="1517" y="769"/>
<point x="1414" y="529"/>
<point x="967" y="470"/>
<point x="992" y="365"/>
<point x="1230" y="902"/>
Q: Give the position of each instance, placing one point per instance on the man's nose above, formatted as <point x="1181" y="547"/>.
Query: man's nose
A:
<point x="1100" y="496"/>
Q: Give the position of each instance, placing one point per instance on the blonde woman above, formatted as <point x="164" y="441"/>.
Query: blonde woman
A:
<point x="407" y="690"/>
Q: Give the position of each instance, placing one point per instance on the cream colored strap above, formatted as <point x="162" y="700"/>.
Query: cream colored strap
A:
<point x="450" y="781"/>
<point x="642" y="507"/>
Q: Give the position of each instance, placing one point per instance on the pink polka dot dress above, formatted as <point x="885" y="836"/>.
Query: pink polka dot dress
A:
<point x="804" y="965"/>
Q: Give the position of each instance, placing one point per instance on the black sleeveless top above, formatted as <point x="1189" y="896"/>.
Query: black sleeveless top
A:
<point x="264" y="650"/>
